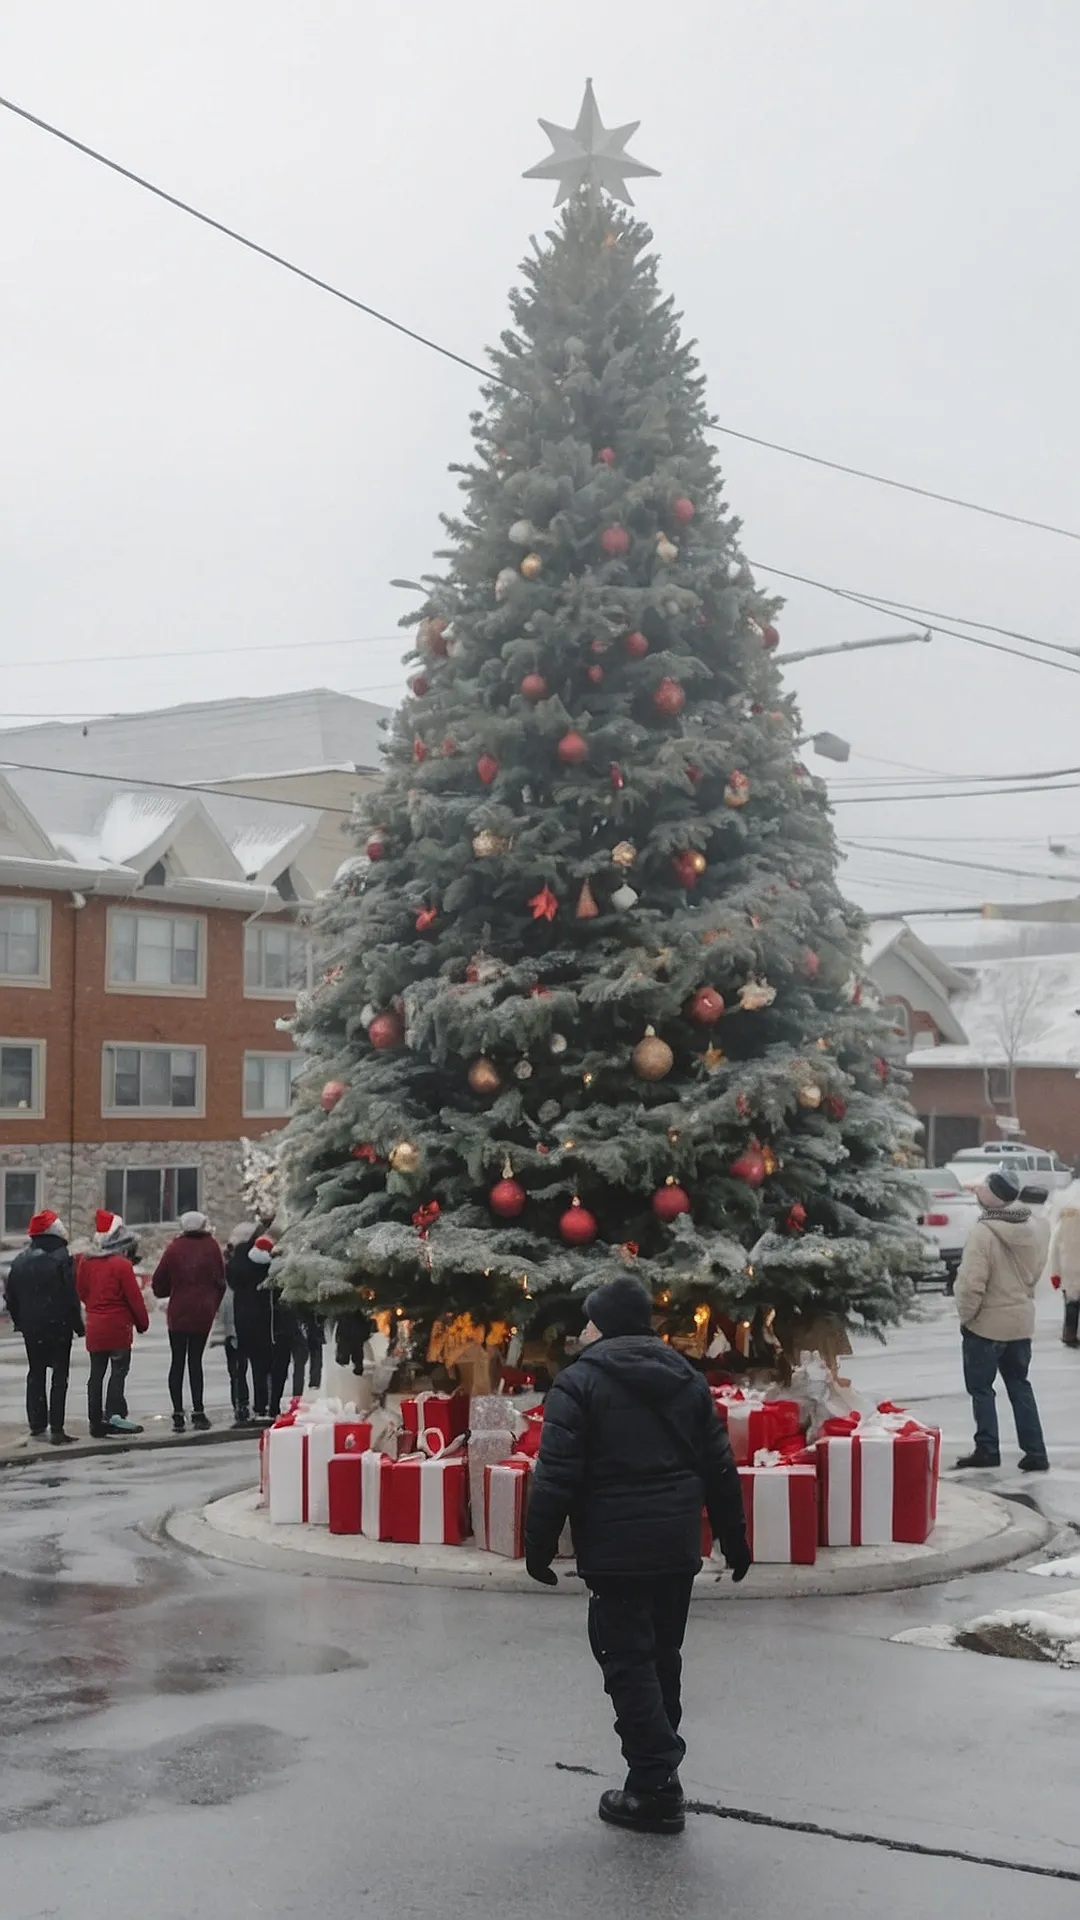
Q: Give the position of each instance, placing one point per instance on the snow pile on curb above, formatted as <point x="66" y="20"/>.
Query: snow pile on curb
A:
<point x="1050" y="1633"/>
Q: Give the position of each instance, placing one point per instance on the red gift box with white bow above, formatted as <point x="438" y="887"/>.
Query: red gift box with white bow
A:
<point x="878" y="1478"/>
<point x="446" y="1414"/>
<point x="781" y="1504"/>
<point x="754" y="1423"/>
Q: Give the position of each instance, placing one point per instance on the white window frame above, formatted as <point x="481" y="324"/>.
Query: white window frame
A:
<point x="1007" y="1098"/>
<point x="155" y="989"/>
<point x="18" y="1173"/>
<point x="161" y="1168"/>
<point x="268" y="1113"/>
<point x="36" y="1109"/>
<point x="256" y="929"/>
<point x="111" y="1111"/>
<point x="43" y="976"/>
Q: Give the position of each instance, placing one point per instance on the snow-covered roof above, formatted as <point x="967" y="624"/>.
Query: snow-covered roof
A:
<point x="1019" y="1012"/>
<point x="211" y="740"/>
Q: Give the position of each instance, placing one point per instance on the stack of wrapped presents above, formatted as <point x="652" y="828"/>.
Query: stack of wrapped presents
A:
<point x="447" y="1470"/>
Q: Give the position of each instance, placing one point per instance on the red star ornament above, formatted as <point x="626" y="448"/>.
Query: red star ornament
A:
<point x="544" y="905"/>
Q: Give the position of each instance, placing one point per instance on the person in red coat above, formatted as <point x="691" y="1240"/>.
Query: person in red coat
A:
<point x="191" y="1276"/>
<point x="114" y="1308"/>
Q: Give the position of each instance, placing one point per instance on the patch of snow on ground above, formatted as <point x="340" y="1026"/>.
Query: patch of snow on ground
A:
<point x="1060" y="1569"/>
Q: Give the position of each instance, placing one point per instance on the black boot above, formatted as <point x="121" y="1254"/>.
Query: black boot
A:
<point x="199" y="1421"/>
<point x="660" y="1812"/>
<point x="978" y="1459"/>
<point x="1034" y="1463"/>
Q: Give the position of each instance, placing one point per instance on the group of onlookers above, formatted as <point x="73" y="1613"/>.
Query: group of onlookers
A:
<point x="54" y="1298"/>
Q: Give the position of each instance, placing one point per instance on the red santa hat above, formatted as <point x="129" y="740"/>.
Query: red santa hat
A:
<point x="47" y="1222"/>
<point x="261" y="1250"/>
<point x="106" y="1224"/>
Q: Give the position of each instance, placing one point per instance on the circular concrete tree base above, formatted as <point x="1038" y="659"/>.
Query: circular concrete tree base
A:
<point x="974" y="1530"/>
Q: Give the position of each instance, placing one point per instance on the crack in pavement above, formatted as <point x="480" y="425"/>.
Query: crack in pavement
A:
<point x="748" y="1818"/>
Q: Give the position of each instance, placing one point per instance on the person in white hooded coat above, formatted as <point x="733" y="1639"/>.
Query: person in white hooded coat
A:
<point x="1065" y="1269"/>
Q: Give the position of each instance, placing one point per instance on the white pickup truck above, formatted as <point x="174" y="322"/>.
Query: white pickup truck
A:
<point x="950" y="1213"/>
<point x="1033" y="1166"/>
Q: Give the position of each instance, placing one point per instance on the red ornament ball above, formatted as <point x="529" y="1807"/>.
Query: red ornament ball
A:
<point x="796" y="1219"/>
<point x="705" y="1007"/>
<point x="419" y="684"/>
<point x="770" y="638"/>
<point x="811" y="965"/>
<point x="386" y="1030"/>
<point x="419" y="751"/>
<point x="682" y="510"/>
<point x="669" y="1201"/>
<point x="606" y="456"/>
<point x="507" y="1199"/>
<point x="375" y="848"/>
<point x="534" y="686"/>
<point x="331" y="1094"/>
<point x="749" y="1167"/>
<point x="595" y="674"/>
<point x="835" y="1107"/>
<point x="577" y="1225"/>
<point x="572" y="749"/>
<point x="615" y="541"/>
<point x="881" y="1069"/>
<point x="487" y="767"/>
<point x="686" y="870"/>
<point x="636" y="645"/>
<point x="669" y="697"/>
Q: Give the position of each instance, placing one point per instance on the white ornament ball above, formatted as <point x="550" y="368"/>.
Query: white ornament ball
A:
<point x="523" y="533"/>
<point x="523" y="1070"/>
<point x="367" y="1014"/>
<point x="624" y="898"/>
<point x="557" y="1043"/>
<point x="504" y="580"/>
<point x="734" y="570"/>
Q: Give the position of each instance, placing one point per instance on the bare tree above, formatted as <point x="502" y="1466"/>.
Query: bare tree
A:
<point x="1022" y="994"/>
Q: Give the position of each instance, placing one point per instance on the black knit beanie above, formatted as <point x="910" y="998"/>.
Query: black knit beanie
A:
<point x="620" y="1306"/>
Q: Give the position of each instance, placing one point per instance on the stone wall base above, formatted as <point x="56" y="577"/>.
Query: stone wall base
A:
<point x="74" y="1181"/>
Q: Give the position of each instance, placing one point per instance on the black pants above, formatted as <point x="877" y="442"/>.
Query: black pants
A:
<point x="187" y="1351"/>
<point x="307" y="1350"/>
<point x="1072" y="1321"/>
<point x="636" y="1630"/>
<point x="116" y="1366"/>
<point x="46" y="1402"/>
<point x="238" y="1380"/>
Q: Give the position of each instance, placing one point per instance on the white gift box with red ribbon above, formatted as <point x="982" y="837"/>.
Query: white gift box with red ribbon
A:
<point x="429" y="1497"/>
<point x="878" y="1483"/>
<point x="781" y="1506"/>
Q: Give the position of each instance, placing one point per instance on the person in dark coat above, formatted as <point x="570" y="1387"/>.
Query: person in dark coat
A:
<point x="44" y="1308"/>
<point x="307" y="1352"/>
<point x="191" y="1276"/>
<point x="109" y="1289"/>
<point x="631" y="1451"/>
<point x="265" y="1326"/>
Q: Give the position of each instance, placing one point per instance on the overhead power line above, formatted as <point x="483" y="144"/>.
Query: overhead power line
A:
<point x="976" y="866"/>
<point x="968" y="793"/>
<point x="472" y="366"/>
<point x="171" y="786"/>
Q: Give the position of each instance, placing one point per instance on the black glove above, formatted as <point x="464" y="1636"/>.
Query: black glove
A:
<point x="537" y="1570"/>
<point x="740" y="1560"/>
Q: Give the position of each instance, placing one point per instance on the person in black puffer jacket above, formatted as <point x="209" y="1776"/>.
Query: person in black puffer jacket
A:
<point x="631" y="1451"/>
<point x="44" y="1308"/>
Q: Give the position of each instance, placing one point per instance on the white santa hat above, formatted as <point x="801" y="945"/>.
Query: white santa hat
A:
<point x="194" y="1223"/>
<point x="261" y="1251"/>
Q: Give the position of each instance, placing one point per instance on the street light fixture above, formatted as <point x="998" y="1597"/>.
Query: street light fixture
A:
<point x="828" y="745"/>
<point x="854" y="646"/>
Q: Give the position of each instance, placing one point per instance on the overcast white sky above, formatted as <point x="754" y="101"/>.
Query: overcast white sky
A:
<point x="867" y="213"/>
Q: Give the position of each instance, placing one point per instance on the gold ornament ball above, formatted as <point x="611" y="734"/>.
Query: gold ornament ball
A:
<point x="405" y="1157"/>
<point x="486" y="844"/>
<point x="624" y="854"/>
<point x="531" y="565"/>
<point x="698" y="862"/>
<point x="810" y="1095"/>
<point x="484" y="1076"/>
<point x="652" y="1058"/>
<point x="666" y="551"/>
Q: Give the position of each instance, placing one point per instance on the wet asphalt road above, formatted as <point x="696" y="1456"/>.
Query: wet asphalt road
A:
<point x="182" y="1737"/>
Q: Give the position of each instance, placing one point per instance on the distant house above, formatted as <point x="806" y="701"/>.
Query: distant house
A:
<point x="151" y="940"/>
<point x="993" y="1047"/>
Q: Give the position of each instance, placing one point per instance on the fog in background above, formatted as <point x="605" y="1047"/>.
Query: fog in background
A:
<point x="866" y="213"/>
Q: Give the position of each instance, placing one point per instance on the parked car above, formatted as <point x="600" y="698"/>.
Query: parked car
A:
<point x="951" y="1212"/>
<point x="1036" y="1165"/>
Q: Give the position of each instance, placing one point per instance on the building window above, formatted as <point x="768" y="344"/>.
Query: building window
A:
<point x="999" y="1086"/>
<point x="277" y="960"/>
<point x="150" y="1196"/>
<point x="152" y="1079"/>
<point x="898" y="1015"/>
<point x="19" y="1193"/>
<point x="24" y="942"/>
<point x="269" y="1079"/>
<point x="156" y="952"/>
<point x="22" y="1079"/>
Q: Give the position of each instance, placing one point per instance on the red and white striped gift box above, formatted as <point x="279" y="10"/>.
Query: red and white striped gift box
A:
<point x="781" y="1514"/>
<point x="877" y="1487"/>
<point x="506" y="1495"/>
<point x="429" y="1500"/>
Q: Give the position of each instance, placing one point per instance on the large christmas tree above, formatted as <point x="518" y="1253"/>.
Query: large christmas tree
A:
<point x="590" y="997"/>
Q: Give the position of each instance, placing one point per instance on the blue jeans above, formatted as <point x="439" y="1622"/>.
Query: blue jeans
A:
<point x="983" y="1361"/>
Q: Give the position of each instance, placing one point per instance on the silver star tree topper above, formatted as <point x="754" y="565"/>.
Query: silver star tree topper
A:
<point x="590" y="155"/>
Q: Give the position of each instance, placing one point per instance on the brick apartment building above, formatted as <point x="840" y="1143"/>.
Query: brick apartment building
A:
<point x="151" y="940"/>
